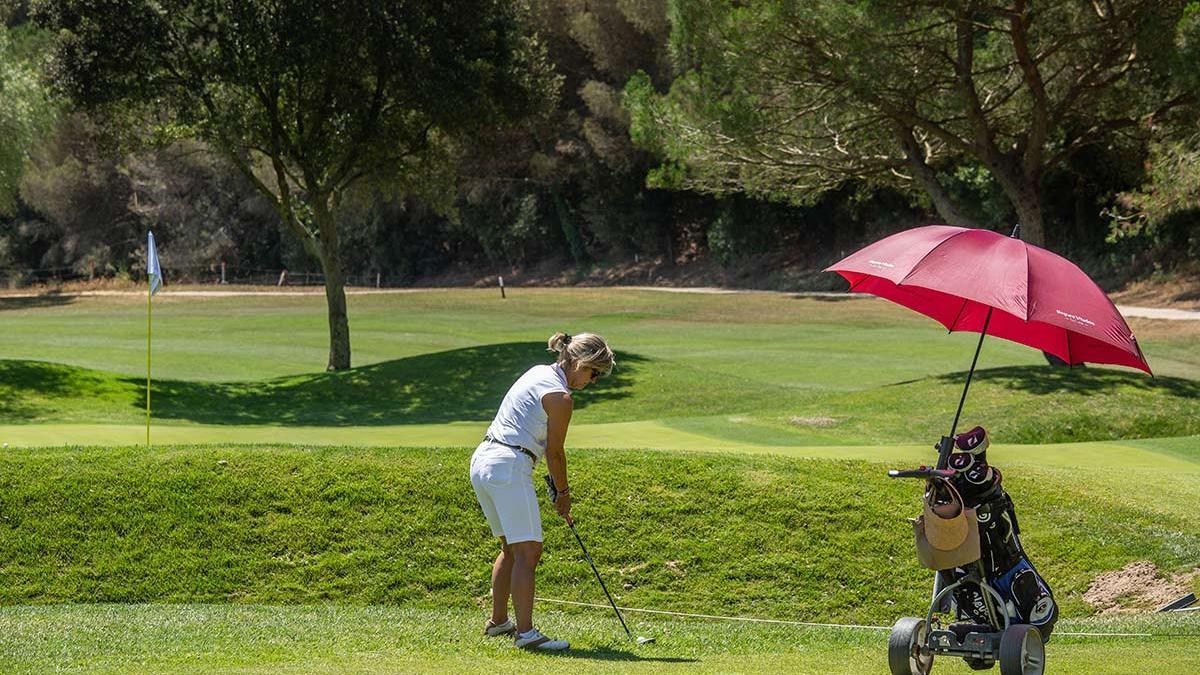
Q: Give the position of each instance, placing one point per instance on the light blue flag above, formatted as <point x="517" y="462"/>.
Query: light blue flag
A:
<point x="152" y="268"/>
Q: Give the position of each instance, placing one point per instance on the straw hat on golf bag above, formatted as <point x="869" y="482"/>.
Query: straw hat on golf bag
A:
<point x="947" y="532"/>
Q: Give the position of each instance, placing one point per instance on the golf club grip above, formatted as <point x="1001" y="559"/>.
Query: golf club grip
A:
<point x="604" y="588"/>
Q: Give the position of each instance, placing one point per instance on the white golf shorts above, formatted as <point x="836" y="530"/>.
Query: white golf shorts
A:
<point x="503" y="482"/>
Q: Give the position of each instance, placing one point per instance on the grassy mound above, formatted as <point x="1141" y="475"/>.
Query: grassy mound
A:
<point x="814" y="539"/>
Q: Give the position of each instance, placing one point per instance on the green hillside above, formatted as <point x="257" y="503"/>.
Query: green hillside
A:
<point x="820" y="539"/>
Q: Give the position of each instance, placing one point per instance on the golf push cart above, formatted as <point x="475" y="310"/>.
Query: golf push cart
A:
<point x="990" y="635"/>
<point x="964" y="278"/>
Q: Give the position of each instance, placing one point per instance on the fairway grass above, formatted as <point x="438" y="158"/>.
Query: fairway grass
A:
<point x="1026" y="404"/>
<point x="760" y="370"/>
<point x="342" y="638"/>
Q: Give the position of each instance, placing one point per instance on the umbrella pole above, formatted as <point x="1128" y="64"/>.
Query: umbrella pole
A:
<point x="947" y="443"/>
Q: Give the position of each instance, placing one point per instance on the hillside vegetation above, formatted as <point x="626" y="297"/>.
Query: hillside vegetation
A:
<point x="820" y="540"/>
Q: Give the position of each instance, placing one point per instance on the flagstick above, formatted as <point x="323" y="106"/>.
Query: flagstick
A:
<point x="149" y="310"/>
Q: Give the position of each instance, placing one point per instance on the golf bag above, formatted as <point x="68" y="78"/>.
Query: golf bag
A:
<point x="1027" y="597"/>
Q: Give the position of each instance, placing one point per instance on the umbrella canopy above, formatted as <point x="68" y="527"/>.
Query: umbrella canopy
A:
<point x="985" y="282"/>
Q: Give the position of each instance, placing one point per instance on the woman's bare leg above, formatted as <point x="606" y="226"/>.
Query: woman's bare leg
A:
<point x="501" y="583"/>
<point x="526" y="555"/>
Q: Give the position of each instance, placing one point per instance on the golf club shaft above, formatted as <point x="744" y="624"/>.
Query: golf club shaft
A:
<point x="597" y="573"/>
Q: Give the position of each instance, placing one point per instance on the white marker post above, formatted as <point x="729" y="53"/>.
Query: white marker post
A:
<point x="502" y="295"/>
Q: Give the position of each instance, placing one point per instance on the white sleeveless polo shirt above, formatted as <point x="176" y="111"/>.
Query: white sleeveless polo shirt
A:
<point x="521" y="420"/>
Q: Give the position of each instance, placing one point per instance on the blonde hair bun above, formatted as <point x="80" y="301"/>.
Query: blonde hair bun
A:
<point x="558" y="342"/>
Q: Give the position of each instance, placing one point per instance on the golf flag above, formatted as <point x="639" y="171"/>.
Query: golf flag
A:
<point x="152" y="269"/>
<point x="154" y="273"/>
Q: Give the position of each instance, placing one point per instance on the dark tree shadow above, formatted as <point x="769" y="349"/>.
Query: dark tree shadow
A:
<point x="18" y="379"/>
<point x="828" y="298"/>
<point x="51" y="299"/>
<point x="1085" y="381"/>
<point x="456" y="385"/>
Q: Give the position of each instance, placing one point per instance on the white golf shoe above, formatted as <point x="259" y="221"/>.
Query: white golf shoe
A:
<point x="496" y="629"/>
<point x="534" y="640"/>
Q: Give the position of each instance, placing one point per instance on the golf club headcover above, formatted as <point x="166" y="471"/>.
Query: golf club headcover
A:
<point x="974" y="441"/>
<point x="552" y="489"/>
<point x="976" y="478"/>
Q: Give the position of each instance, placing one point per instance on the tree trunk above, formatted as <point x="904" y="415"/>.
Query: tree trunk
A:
<point x="339" y="323"/>
<point x="1022" y="193"/>
<point x="324" y="246"/>
<point x="927" y="177"/>
<point x="1029" y="215"/>
<point x="335" y="288"/>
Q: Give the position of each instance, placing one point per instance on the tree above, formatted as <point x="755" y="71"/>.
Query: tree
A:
<point x="1161" y="219"/>
<point x="202" y="209"/>
<point x="78" y="197"/>
<point x="573" y="183"/>
<point x="26" y="111"/>
<point x="308" y="98"/>
<point x="788" y="99"/>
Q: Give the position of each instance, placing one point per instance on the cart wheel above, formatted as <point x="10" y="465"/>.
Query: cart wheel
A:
<point x="904" y="648"/>
<point x="1022" y="651"/>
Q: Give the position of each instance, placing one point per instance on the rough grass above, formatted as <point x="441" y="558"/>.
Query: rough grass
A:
<point x="821" y="540"/>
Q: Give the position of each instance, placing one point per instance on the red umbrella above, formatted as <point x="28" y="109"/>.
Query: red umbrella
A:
<point x="981" y="281"/>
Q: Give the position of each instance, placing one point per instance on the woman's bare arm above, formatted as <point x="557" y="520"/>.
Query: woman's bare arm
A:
<point x="558" y="406"/>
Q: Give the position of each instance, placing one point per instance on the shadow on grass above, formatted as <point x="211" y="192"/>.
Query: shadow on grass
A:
<point x="34" y="302"/>
<point x="19" y="379"/>
<point x="456" y="385"/>
<point x="829" y="298"/>
<point x="1085" y="381"/>
<point x="610" y="654"/>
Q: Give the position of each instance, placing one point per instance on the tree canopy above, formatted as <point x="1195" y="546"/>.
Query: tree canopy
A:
<point x="27" y="110"/>
<point x="790" y="99"/>
<point x="770" y="136"/>
<point x="310" y="99"/>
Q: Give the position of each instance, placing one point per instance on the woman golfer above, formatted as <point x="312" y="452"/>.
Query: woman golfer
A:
<point x="530" y="425"/>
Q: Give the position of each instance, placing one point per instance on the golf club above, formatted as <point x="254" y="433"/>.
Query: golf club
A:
<point x="571" y="524"/>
